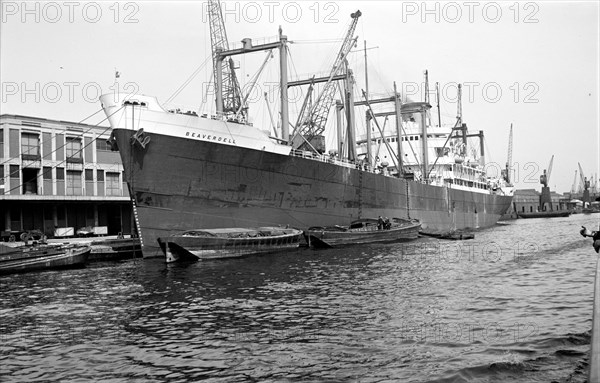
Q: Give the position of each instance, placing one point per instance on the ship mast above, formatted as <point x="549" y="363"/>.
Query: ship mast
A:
<point x="426" y="96"/>
<point x="368" y="114"/>
<point x="509" y="157"/>
<point x="228" y="100"/>
<point x="459" y="122"/>
<point x="437" y="95"/>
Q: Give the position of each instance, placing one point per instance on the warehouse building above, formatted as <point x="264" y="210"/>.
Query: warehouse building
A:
<point x="57" y="177"/>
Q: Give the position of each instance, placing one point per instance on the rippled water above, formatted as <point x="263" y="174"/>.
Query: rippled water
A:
<point x="513" y="305"/>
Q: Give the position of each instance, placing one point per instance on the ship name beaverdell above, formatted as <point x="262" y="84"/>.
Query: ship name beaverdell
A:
<point x="188" y="170"/>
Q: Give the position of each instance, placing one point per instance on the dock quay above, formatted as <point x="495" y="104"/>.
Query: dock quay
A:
<point x="594" y="372"/>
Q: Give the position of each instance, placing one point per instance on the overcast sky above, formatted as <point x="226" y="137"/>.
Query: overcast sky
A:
<point x="532" y="64"/>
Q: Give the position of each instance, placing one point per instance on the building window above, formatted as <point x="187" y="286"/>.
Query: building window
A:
<point x="100" y="175"/>
<point x="47" y="175"/>
<point x="113" y="186"/>
<point x="14" y="171"/>
<point x="102" y="145"/>
<point x="30" y="177"/>
<point x="74" y="182"/>
<point x="89" y="174"/>
<point x="30" y="146"/>
<point x="1" y="143"/>
<point x="73" y="148"/>
<point x="60" y="174"/>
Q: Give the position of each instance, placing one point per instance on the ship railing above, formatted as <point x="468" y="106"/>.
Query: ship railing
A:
<point x="323" y="158"/>
<point x="190" y="111"/>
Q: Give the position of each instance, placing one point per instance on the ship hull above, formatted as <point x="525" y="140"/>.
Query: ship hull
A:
<point x="179" y="183"/>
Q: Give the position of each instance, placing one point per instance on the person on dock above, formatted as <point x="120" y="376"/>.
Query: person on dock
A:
<point x="595" y="236"/>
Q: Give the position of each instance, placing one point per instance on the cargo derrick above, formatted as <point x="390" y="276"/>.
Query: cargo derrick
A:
<point x="228" y="101"/>
<point x="312" y="120"/>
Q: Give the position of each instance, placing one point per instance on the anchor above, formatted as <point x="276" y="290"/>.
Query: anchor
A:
<point x="140" y="139"/>
<point x="112" y="143"/>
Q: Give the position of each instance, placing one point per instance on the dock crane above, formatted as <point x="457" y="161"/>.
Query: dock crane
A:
<point x="545" y="198"/>
<point x="585" y="184"/>
<point x="311" y="123"/>
<point x="574" y="186"/>
<point x="545" y="178"/>
<point x="229" y="103"/>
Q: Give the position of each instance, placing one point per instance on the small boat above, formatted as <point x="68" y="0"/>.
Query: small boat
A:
<point x="452" y="235"/>
<point x="593" y="208"/>
<point x="115" y="249"/>
<point x="365" y="230"/>
<point x="228" y="242"/>
<point x="545" y="214"/>
<point x="35" y="257"/>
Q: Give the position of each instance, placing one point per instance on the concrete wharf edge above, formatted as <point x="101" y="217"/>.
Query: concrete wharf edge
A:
<point x="594" y="372"/>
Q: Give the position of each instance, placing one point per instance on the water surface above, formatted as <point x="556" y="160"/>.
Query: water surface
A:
<point x="512" y="305"/>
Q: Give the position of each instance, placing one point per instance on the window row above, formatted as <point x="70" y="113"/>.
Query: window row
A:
<point x="27" y="180"/>
<point x="32" y="144"/>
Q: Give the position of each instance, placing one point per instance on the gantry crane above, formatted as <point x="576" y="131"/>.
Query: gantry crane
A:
<point x="311" y="122"/>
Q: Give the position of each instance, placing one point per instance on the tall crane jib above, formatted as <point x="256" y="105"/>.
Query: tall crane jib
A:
<point x="232" y="100"/>
<point x="545" y="178"/>
<point x="585" y="183"/>
<point x="312" y="122"/>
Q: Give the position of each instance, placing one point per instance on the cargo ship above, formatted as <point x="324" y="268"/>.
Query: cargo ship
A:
<point x="189" y="170"/>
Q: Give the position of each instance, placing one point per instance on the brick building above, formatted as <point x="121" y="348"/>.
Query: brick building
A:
<point x="528" y="201"/>
<point x="58" y="176"/>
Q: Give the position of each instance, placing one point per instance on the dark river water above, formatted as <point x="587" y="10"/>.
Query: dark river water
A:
<point x="512" y="305"/>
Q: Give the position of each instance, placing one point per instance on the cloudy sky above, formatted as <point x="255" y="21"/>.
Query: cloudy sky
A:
<point x="532" y="64"/>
